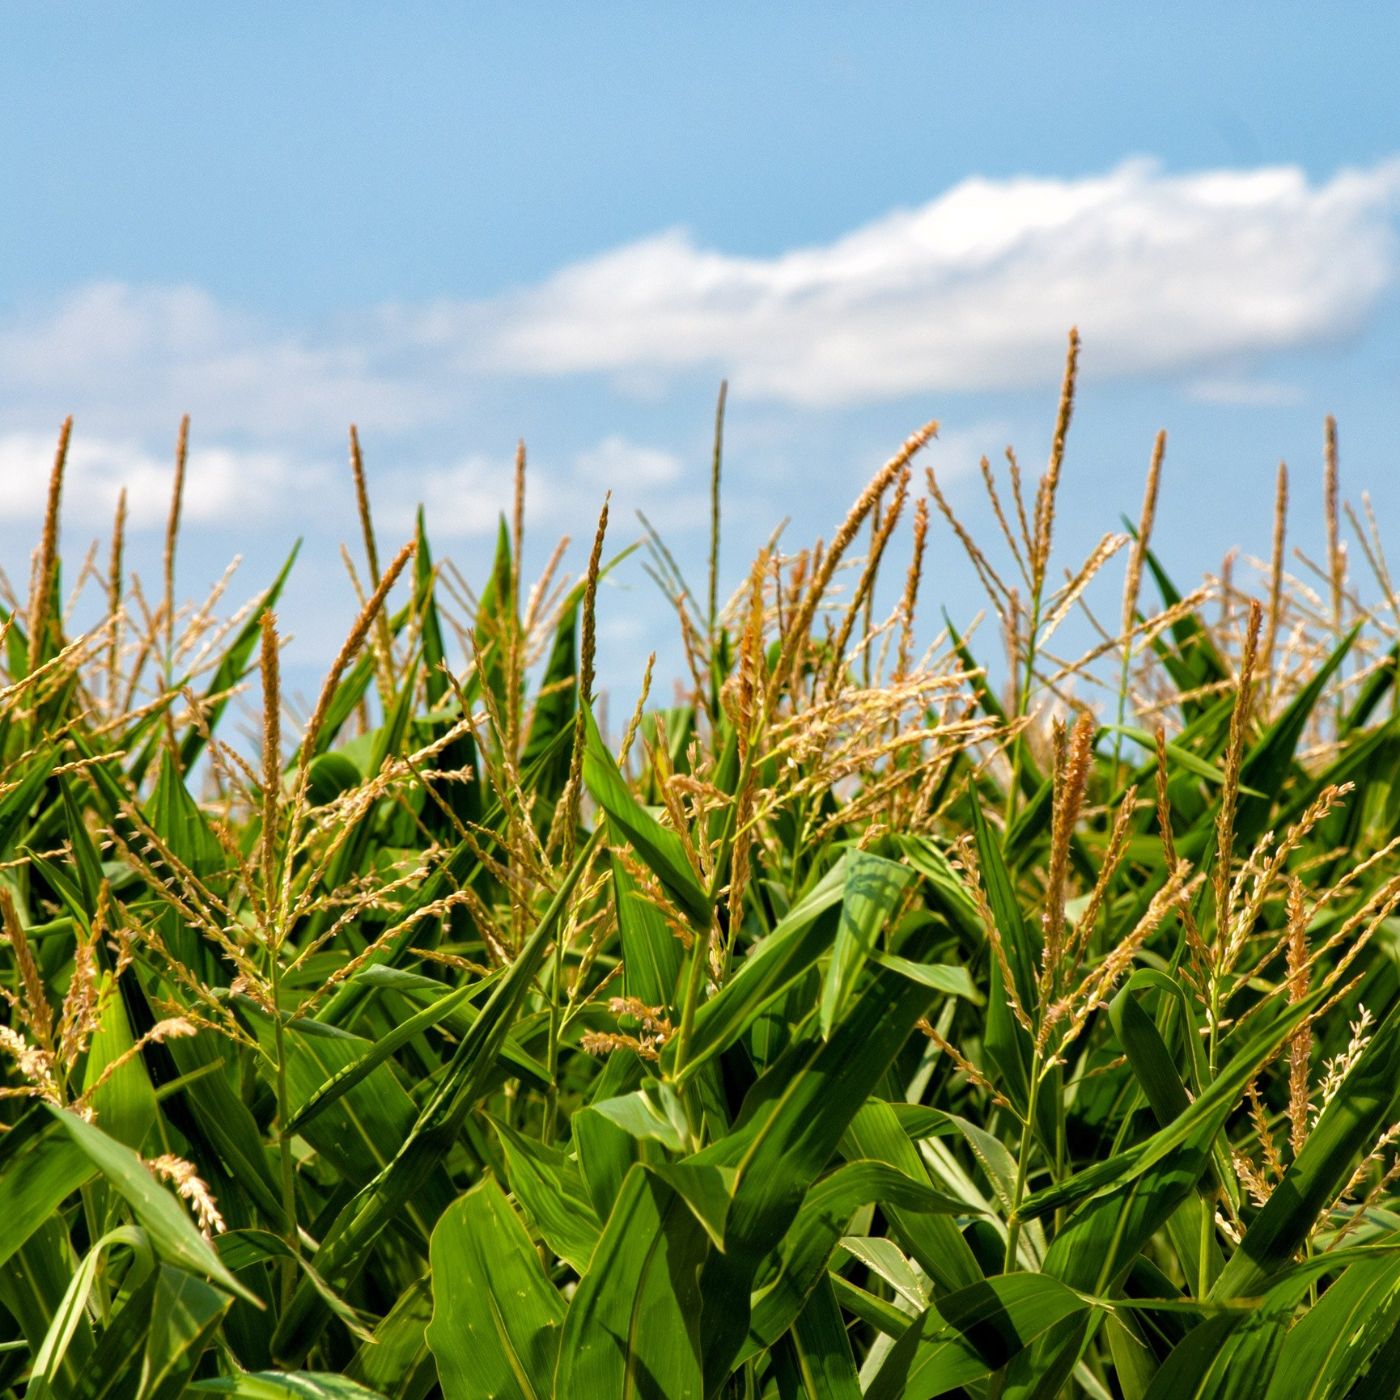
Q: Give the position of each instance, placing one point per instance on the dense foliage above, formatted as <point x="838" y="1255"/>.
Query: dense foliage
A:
<point x="854" y="1025"/>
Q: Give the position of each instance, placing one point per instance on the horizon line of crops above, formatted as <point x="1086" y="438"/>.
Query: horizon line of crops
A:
<point x="849" y="1026"/>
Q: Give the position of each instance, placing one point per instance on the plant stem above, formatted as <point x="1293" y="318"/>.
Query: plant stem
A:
<point x="284" y="1142"/>
<point x="1013" y="1232"/>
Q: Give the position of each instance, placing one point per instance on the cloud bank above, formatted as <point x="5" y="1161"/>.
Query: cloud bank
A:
<point x="973" y="290"/>
<point x="1193" y="278"/>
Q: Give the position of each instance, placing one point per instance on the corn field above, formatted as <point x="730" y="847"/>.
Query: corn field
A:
<point x="889" y="1010"/>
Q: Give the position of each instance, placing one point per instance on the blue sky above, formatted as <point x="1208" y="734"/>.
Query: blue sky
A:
<point x="462" y="224"/>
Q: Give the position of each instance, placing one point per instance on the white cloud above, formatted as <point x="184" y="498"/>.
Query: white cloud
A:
<point x="221" y="484"/>
<point x="130" y="360"/>
<point x="615" y="463"/>
<point x="973" y="290"/>
<point x="467" y="497"/>
<point x="1246" y="393"/>
<point x="1194" y="277"/>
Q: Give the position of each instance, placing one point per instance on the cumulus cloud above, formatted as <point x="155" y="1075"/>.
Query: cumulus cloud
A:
<point x="221" y="484"/>
<point x="972" y="290"/>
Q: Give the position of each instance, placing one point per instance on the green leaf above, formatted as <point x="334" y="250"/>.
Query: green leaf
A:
<point x="36" y="1177"/>
<point x="972" y="1333"/>
<point x="1266" y="765"/>
<point x="494" y="1329"/>
<point x="651" y="952"/>
<point x="824" y="1358"/>
<point x="18" y="801"/>
<point x="360" y="1065"/>
<point x="790" y="1126"/>
<point x="1330" y="1345"/>
<point x="429" y="623"/>
<point x="278" y="1385"/>
<point x="177" y="820"/>
<point x="550" y="1189"/>
<point x="660" y="849"/>
<point x="651" y="1113"/>
<point x="633" y="1327"/>
<point x="125" y="1101"/>
<point x="776" y="962"/>
<point x="872" y="888"/>
<point x="159" y="1336"/>
<point x="399" y="1352"/>
<point x="171" y="1231"/>
<point x="49" y="1358"/>
<point x="823" y="1218"/>
<point x="344" y="1249"/>
<point x="1182" y="757"/>
<point x="1197" y="1125"/>
<point x="1360" y="1110"/>
<point x="932" y="1239"/>
<point x="555" y="710"/>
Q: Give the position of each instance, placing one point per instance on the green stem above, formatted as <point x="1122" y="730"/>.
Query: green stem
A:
<point x="1013" y="1232"/>
<point x="1023" y="700"/>
<point x="284" y="1141"/>
<point x="1123" y="677"/>
<point x="551" y="1102"/>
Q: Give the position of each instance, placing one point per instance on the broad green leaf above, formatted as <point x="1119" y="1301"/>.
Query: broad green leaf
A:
<point x="242" y="1247"/>
<point x="399" y="1351"/>
<point x="156" y="1340"/>
<point x="496" y="1317"/>
<point x="429" y="623"/>
<point x="17" y="803"/>
<point x="36" y="1177"/>
<point x="820" y="1222"/>
<point x="49" y="1358"/>
<point x="651" y="952"/>
<point x="1197" y="1125"/>
<point x="1329" y="1347"/>
<point x="1267" y="763"/>
<point x="649" y="1113"/>
<point x="824" y="1358"/>
<point x="1007" y="1043"/>
<point x="932" y="1239"/>
<point x="177" y="819"/>
<point x="555" y="710"/>
<point x="124" y="1100"/>
<point x="790" y="1126"/>
<point x="633" y="1326"/>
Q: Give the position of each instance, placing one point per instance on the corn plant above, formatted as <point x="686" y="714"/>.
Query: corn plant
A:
<point x="871" y="1020"/>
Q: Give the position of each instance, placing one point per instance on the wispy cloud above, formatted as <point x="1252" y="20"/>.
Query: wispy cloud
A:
<point x="1244" y="393"/>
<point x="223" y="485"/>
<point x="466" y="498"/>
<point x="130" y="360"/>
